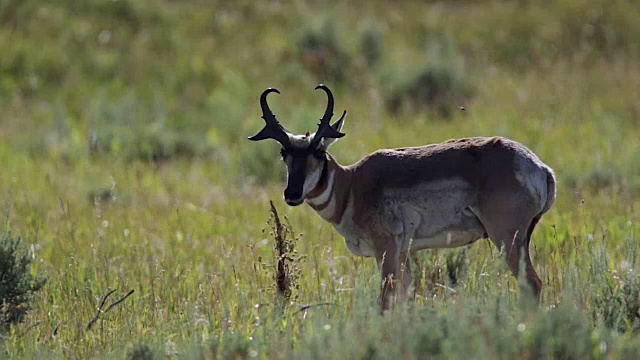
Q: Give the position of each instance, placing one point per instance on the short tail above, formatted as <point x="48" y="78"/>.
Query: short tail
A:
<point x="551" y="191"/>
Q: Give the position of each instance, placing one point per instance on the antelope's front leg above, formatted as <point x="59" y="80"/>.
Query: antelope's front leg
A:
<point x="389" y="265"/>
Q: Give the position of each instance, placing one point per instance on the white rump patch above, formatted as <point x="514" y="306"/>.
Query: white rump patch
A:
<point x="534" y="179"/>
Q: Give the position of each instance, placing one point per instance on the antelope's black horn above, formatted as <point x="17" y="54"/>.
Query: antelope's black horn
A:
<point x="267" y="115"/>
<point x="273" y="129"/>
<point x="328" y="113"/>
<point x="325" y="130"/>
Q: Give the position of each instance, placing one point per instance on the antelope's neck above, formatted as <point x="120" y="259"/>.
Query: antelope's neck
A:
<point x="330" y="196"/>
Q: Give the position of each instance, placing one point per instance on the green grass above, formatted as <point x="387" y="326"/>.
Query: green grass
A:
<point x="124" y="165"/>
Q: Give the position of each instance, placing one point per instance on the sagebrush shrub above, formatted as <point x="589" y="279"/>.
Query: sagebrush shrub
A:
<point x="141" y="352"/>
<point x="17" y="284"/>
<point x="436" y="87"/>
<point x="440" y="84"/>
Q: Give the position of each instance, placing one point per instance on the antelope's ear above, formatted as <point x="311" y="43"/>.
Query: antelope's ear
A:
<point x="326" y="142"/>
<point x="340" y="122"/>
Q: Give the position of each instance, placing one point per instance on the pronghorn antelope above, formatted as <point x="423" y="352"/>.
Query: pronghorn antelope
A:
<point x="395" y="201"/>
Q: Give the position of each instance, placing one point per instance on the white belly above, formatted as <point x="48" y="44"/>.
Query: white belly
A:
<point x="447" y="239"/>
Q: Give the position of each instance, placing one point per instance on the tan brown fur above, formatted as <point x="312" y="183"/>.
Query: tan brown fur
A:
<point x="489" y="169"/>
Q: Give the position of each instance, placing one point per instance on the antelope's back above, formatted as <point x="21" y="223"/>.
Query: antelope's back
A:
<point x="486" y="164"/>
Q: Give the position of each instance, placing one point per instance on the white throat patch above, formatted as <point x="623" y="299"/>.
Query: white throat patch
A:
<point x="326" y="194"/>
<point x="312" y="180"/>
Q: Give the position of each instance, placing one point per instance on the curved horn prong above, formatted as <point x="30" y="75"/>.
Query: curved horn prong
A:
<point x="267" y="115"/>
<point x="338" y="123"/>
<point x="328" y="113"/>
<point x="273" y="129"/>
<point x="324" y="127"/>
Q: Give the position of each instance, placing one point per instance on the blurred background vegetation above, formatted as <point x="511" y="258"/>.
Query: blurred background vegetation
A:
<point x="161" y="80"/>
<point x="123" y="128"/>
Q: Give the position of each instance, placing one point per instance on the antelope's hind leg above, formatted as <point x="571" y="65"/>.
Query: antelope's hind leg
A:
<point x="513" y="238"/>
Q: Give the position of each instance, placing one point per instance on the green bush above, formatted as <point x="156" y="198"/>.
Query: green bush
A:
<point x="141" y="352"/>
<point x="561" y="333"/>
<point x="320" y="51"/>
<point x="439" y="85"/>
<point x="17" y="285"/>
<point x="616" y="299"/>
<point x="230" y="346"/>
<point x="371" y="45"/>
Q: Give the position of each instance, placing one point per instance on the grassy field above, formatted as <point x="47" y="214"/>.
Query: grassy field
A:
<point x="124" y="165"/>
